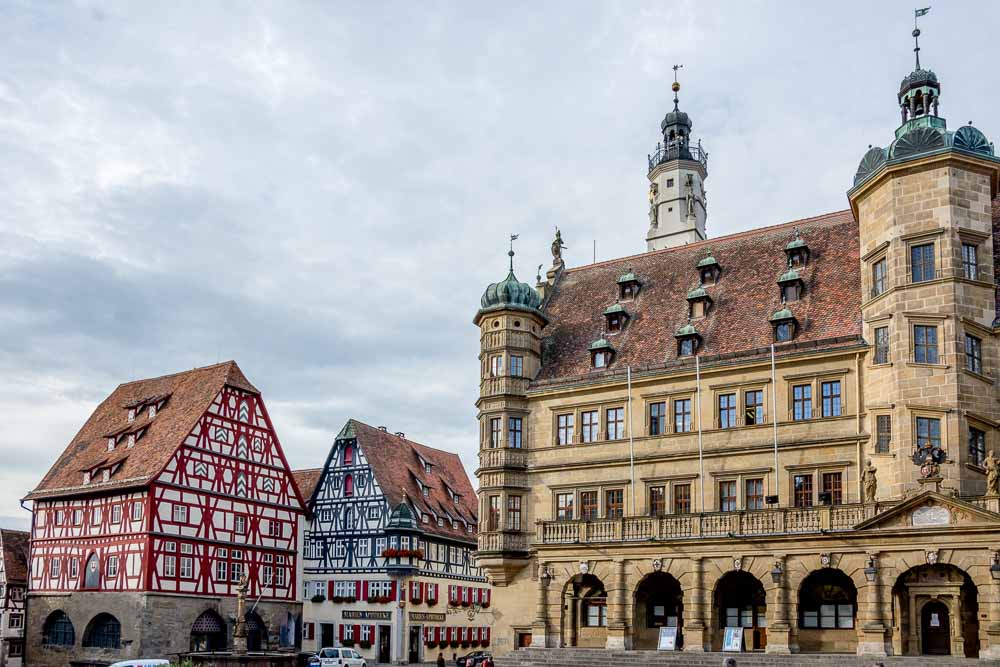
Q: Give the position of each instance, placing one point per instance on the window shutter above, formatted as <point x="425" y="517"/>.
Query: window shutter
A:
<point x="392" y="590"/>
<point x="489" y="595"/>
<point x="357" y="589"/>
<point x="329" y="590"/>
<point x="357" y="633"/>
<point x="364" y="590"/>
<point x="371" y="634"/>
<point x="340" y="632"/>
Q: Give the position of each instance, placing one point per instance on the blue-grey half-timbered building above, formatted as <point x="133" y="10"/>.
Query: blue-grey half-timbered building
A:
<point x="388" y="553"/>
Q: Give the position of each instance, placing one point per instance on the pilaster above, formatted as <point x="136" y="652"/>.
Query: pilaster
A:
<point x="779" y="630"/>
<point x="618" y="635"/>
<point x="539" y="628"/>
<point x="873" y="630"/>
<point x="697" y="633"/>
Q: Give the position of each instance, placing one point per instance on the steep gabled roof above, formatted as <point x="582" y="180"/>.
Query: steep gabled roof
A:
<point x="188" y="396"/>
<point x="307" y="479"/>
<point x="744" y="296"/>
<point x="395" y="462"/>
<point x="15" y="555"/>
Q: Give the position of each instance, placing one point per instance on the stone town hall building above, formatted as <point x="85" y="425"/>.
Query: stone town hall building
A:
<point x="784" y="431"/>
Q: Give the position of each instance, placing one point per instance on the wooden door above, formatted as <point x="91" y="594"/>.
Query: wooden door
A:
<point x="935" y="629"/>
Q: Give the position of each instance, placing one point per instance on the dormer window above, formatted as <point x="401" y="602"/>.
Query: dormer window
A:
<point x="111" y="444"/>
<point x="791" y="285"/>
<point x="131" y="415"/>
<point x="106" y="475"/>
<point x="427" y="468"/>
<point x="699" y="303"/>
<point x="601" y="353"/>
<point x="86" y="478"/>
<point x="131" y="440"/>
<point x="615" y="316"/>
<point x="152" y="411"/>
<point x="797" y="252"/>
<point x="708" y="270"/>
<point x="785" y="326"/>
<point x="628" y="285"/>
<point x="688" y="341"/>
<point x="440" y="522"/>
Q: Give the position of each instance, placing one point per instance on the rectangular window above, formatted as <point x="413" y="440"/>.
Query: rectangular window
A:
<point x="922" y="262"/>
<point x="513" y="513"/>
<point x="657" y="418"/>
<point x="597" y="614"/>
<point x="112" y="567"/>
<point x="883" y="433"/>
<point x="170" y="566"/>
<point x="496" y="432"/>
<point x="221" y="570"/>
<point x="514" y="432"/>
<point x="682" y="498"/>
<point x="180" y="514"/>
<point x="116" y="514"/>
<point x="682" y="415"/>
<point x="882" y="345"/>
<point x="516" y="366"/>
<point x="803" y="488"/>
<point x="493" y="519"/>
<point x="754" y="494"/>
<point x="977" y="446"/>
<point x="137" y="511"/>
<point x="55" y="568"/>
<point x="831" y="398"/>
<point x="925" y="346"/>
<point x="727" y="496"/>
<point x="240" y="525"/>
<point x="564" y="507"/>
<point x="74" y="572"/>
<point x="15" y="621"/>
<point x="614" y="504"/>
<point x="879" y="275"/>
<point x="615" y="423"/>
<point x="970" y="262"/>
<point x="657" y="501"/>
<point x="832" y="485"/>
<point x="496" y="365"/>
<point x="590" y="424"/>
<point x="973" y="354"/>
<point x="565" y="429"/>
<point x="727" y="410"/>
<point x="753" y="407"/>
<point x="588" y="505"/>
<point x="273" y="528"/>
<point x="802" y="407"/>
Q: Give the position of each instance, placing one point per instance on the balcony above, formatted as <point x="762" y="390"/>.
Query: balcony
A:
<point x="503" y="457"/>
<point x="503" y="384"/>
<point x="502" y="542"/>
<point x="677" y="150"/>
<point x="778" y="521"/>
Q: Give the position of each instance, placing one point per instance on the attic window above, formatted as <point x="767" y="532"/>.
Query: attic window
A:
<point x="688" y="341"/>
<point x="699" y="303"/>
<point x="708" y="270"/>
<point x="427" y="468"/>
<point x="440" y="522"/>
<point x="628" y="285"/>
<point x="797" y="252"/>
<point x="616" y="317"/>
<point x="131" y="440"/>
<point x="601" y="353"/>
<point x="785" y="326"/>
<point x="131" y="415"/>
<point x="106" y="475"/>
<point x="86" y="478"/>
<point x="111" y="444"/>
<point x="348" y="455"/>
<point x="426" y="517"/>
<point x="791" y="285"/>
<point x="152" y="411"/>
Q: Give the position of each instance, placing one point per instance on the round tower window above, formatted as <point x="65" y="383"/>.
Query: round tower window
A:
<point x="496" y="323"/>
<point x="517" y="324"/>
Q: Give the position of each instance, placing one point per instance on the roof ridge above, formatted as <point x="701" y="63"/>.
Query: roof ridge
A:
<point x="179" y="373"/>
<point x="710" y="241"/>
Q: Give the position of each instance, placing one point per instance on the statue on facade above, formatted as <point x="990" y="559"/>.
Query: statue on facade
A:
<point x="992" y="475"/>
<point x="869" y="482"/>
<point x="240" y="631"/>
<point x="557" y="248"/>
<point x="690" y="195"/>
<point x="654" y="190"/>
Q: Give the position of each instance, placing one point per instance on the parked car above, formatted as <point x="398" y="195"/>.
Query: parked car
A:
<point x="473" y="659"/>
<point x="142" y="662"/>
<point x="338" y="657"/>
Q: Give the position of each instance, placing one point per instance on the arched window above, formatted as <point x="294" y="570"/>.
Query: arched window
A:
<point x="348" y="455"/>
<point x="58" y="630"/>
<point x="827" y="599"/>
<point x="92" y="572"/>
<point x="103" y="631"/>
<point x="349" y="485"/>
<point x="208" y="632"/>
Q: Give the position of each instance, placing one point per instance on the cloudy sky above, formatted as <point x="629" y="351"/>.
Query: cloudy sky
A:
<point x="322" y="190"/>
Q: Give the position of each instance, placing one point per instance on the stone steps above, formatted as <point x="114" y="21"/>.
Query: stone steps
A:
<point x="604" y="658"/>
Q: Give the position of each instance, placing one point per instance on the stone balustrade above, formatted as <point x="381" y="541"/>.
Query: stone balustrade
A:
<point x="503" y="384"/>
<point x="499" y="541"/>
<point x="502" y="457"/>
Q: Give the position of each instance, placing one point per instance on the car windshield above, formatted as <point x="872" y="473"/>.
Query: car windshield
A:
<point x="328" y="653"/>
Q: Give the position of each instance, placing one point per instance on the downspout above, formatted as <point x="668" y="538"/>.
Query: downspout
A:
<point x="631" y="443"/>
<point x="774" y="419"/>
<point x="701" y="453"/>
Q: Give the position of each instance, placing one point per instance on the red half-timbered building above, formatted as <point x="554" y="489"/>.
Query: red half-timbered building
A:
<point x="174" y="489"/>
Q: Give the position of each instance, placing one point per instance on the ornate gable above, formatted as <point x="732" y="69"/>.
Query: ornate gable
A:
<point x="930" y="509"/>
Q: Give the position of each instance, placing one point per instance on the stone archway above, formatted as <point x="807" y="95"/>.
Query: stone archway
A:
<point x="208" y="632"/>
<point x="584" y="612"/>
<point x="827" y="612"/>
<point x="924" y="598"/>
<point x="739" y="601"/>
<point x="658" y="602"/>
<point x="256" y="632"/>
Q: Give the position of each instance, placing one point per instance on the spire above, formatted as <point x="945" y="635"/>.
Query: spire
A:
<point x="513" y="237"/>
<point x="919" y="92"/>
<point x="917" y="13"/>
<point x="676" y="86"/>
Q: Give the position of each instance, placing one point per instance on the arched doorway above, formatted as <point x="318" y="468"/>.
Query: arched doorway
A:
<point x="935" y="628"/>
<point x="208" y="633"/>
<point x="828" y="604"/>
<point x="740" y="602"/>
<point x="103" y="631"/>
<point x="659" y="603"/>
<point x="585" y="612"/>
<point x="256" y="632"/>
<point x="92" y="573"/>
<point x="936" y="612"/>
<point x="58" y="630"/>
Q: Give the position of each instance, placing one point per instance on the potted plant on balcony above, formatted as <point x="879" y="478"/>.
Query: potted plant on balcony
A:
<point x="364" y="645"/>
<point x="347" y="642"/>
<point x="319" y="597"/>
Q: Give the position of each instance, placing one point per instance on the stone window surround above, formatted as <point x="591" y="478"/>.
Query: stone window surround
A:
<point x="576" y="410"/>
<point x="983" y="253"/>
<point x="815" y="380"/>
<point x="740" y="477"/>
<point x="943" y="335"/>
<point x="871" y="324"/>
<point x="669" y="398"/>
<point x="941" y="414"/>
<point x="504" y="414"/>
<point x="874" y="412"/>
<point x="847" y="485"/>
<point x="623" y="485"/>
<point x="973" y="328"/>
<point x="867" y="276"/>
<point x="740" y="389"/>
<point x="929" y="237"/>
<point x="501" y="525"/>
<point x="668" y="482"/>
<point x="987" y="426"/>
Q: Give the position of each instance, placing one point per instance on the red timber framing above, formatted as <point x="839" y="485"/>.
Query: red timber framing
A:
<point x="223" y="505"/>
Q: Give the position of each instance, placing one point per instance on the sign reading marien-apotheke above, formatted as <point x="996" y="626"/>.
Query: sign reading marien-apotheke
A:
<point x="366" y="615"/>
<point x="427" y="616"/>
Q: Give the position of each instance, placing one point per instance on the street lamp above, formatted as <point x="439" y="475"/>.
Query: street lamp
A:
<point x="995" y="567"/>
<point x="776" y="572"/>
<point x="870" y="570"/>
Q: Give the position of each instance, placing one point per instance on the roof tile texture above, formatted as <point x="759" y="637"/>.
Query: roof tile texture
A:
<point x="15" y="555"/>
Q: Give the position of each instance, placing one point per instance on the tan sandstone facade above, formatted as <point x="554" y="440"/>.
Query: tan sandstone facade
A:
<point x="629" y="483"/>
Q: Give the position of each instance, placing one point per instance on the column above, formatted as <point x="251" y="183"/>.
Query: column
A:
<point x="778" y="628"/>
<point x="697" y="633"/>
<point x="617" y="609"/>
<point x="539" y="628"/>
<point x="873" y="630"/>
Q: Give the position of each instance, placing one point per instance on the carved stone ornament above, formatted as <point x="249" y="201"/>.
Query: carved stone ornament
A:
<point x="737" y="564"/>
<point x="932" y="557"/>
<point x="584" y="567"/>
<point x="657" y="564"/>
<point x="824" y="560"/>
<point x="930" y="515"/>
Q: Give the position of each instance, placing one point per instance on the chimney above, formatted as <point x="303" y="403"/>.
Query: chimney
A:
<point x="400" y="434"/>
<point x="383" y="428"/>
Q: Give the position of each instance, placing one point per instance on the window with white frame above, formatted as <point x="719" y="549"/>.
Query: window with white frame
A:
<point x="379" y="545"/>
<point x="112" y="567"/>
<point x="240" y="525"/>
<point x="364" y="548"/>
<point x="279" y="576"/>
<point x="116" y="514"/>
<point x="74" y="572"/>
<point x="136" y="511"/>
<point x="55" y="568"/>
<point x="317" y="587"/>
<point x="378" y="589"/>
<point x="344" y="589"/>
<point x="15" y="621"/>
<point x="180" y="513"/>
<point x="187" y="562"/>
<point x="169" y="565"/>
<point x="221" y="570"/>
<point x="340" y="549"/>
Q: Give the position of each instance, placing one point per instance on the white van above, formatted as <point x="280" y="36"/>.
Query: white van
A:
<point x="339" y="657"/>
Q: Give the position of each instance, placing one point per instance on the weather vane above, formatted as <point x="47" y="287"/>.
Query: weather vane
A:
<point x="917" y="13"/>
<point x="513" y="237"/>
<point x="676" y="86"/>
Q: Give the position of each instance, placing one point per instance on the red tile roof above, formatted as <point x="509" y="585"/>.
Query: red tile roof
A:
<point x="307" y="479"/>
<point x="15" y="555"/>
<point x="190" y="394"/>
<point x="743" y="299"/>
<point x="395" y="462"/>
